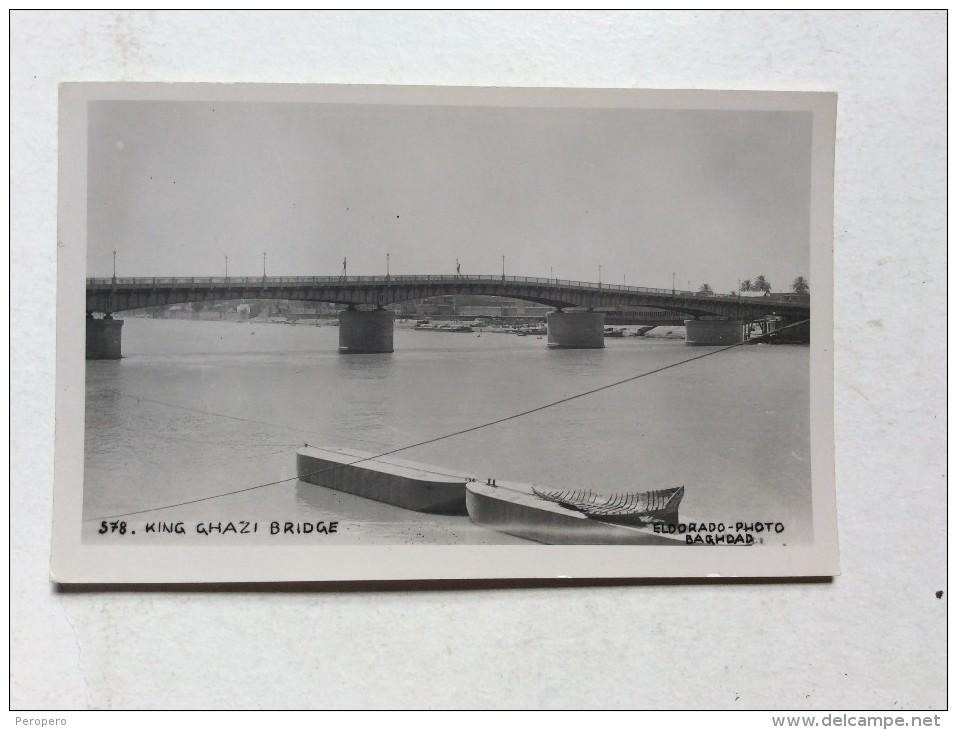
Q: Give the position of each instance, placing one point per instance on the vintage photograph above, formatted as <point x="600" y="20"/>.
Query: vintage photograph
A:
<point x="351" y="333"/>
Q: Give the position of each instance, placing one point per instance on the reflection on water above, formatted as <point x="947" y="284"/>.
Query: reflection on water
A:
<point x="575" y="362"/>
<point x="201" y="408"/>
<point x="355" y="366"/>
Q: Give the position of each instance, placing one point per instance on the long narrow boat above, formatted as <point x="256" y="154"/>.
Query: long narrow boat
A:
<point x="397" y="482"/>
<point x="521" y="510"/>
<point x="579" y="517"/>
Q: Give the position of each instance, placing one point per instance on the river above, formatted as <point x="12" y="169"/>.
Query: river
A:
<point x="201" y="408"/>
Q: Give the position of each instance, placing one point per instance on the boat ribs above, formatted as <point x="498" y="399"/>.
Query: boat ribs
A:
<point x="632" y="508"/>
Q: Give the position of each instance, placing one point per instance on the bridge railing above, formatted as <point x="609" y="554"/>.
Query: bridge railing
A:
<point x="139" y="282"/>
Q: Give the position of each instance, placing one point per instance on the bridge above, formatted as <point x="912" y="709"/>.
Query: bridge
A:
<point x="365" y="326"/>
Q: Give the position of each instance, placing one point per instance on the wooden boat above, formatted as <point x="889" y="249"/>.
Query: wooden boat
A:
<point x="397" y="482"/>
<point x="520" y="510"/>
<point x="541" y="515"/>
<point x="632" y="508"/>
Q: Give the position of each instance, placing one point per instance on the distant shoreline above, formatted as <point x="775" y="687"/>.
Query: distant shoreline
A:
<point x="498" y="325"/>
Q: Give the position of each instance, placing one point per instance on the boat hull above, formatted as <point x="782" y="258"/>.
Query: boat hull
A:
<point x="515" y="510"/>
<point x="397" y="482"/>
<point x="636" y="509"/>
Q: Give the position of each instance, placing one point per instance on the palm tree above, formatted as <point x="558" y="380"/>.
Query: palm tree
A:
<point x="745" y="285"/>
<point x="800" y="286"/>
<point x="761" y="284"/>
<point x="705" y="288"/>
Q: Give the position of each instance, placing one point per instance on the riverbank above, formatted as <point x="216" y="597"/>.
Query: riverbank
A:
<point x="521" y="326"/>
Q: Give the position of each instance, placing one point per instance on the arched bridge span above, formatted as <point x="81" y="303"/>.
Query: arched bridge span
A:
<point x="108" y="295"/>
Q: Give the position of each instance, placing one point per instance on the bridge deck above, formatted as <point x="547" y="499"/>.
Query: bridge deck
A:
<point x="108" y="294"/>
<point x="270" y="281"/>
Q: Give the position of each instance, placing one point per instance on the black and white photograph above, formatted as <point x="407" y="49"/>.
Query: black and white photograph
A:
<point x="335" y="332"/>
<point x="479" y="360"/>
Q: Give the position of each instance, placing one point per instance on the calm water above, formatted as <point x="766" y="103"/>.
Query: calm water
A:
<point x="202" y="408"/>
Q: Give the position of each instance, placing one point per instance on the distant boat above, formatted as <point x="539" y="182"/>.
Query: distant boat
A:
<point x="777" y="331"/>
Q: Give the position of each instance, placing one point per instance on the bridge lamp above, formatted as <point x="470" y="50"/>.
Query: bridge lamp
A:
<point x="114" y="264"/>
<point x="264" y="264"/>
<point x="227" y="266"/>
<point x="503" y="267"/>
<point x="599" y="274"/>
<point x="387" y="265"/>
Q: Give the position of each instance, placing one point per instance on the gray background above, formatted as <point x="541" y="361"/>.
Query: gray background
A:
<point x="874" y="637"/>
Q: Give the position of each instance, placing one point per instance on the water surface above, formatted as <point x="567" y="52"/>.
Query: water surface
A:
<point x="198" y="408"/>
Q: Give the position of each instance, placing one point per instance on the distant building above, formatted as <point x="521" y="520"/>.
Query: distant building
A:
<point x="473" y="305"/>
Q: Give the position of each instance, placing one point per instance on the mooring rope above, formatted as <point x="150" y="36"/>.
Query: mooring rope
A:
<point x="443" y="437"/>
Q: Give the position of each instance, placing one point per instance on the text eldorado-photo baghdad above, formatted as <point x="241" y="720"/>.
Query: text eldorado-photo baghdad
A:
<point x="719" y="533"/>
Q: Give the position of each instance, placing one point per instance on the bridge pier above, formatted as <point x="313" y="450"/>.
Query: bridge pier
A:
<point x="104" y="338"/>
<point x="363" y="331"/>
<point x="714" y="332"/>
<point x="576" y="329"/>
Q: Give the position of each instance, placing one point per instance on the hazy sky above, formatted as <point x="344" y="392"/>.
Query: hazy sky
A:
<point x="713" y="196"/>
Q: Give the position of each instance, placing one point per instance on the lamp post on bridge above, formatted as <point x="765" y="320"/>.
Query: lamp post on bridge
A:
<point x="503" y="267"/>
<point x="599" y="276"/>
<point x="227" y="267"/>
<point x="114" y="268"/>
<point x="387" y="274"/>
<point x="672" y="283"/>
<point x="264" y="264"/>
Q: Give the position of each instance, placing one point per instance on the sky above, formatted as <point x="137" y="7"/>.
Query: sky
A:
<point x="704" y="196"/>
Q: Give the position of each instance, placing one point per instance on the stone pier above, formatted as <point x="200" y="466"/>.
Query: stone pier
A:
<point x="104" y="338"/>
<point x="365" y="331"/>
<point x="578" y="329"/>
<point x="713" y="332"/>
